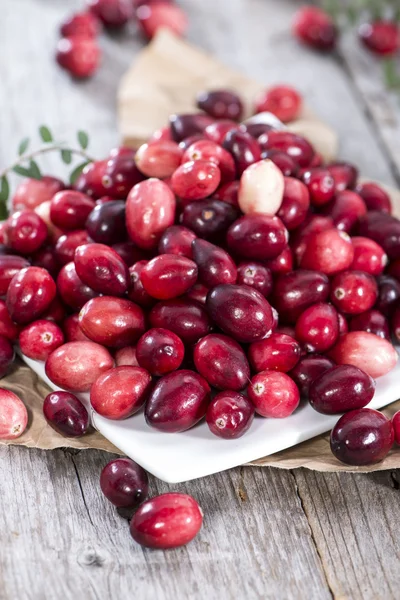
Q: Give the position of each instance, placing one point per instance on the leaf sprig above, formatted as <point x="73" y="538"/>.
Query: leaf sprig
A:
<point x="26" y="166"/>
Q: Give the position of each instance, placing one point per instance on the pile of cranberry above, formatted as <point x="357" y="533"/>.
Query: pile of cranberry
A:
<point x="78" y="50"/>
<point x="219" y="271"/>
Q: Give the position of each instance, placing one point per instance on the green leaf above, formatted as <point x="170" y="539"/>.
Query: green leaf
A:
<point x="45" y="134"/>
<point x="22" y="171"/>
<point x="23" y="146"/>
<point x="391" y="77"/>
<point x="34" y="170"/>
<point x="77" y="171"/>
<point x="83" y="139"/>
<point x="66" y="156"/>
<point x="4" y="194"/>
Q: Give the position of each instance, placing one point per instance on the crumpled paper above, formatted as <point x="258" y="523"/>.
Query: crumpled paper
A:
<point x="164" y="79"/>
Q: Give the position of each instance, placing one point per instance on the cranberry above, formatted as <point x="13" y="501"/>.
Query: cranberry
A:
<point x="83" y="24"/>
<point x="312" y="224"/>
<point x="228" y="193"/>
<point x="189" y="141"/>
<point x="384" y="230"/>
<point x="294" y="145"/>
<point x="308" y="369"/>
<point x="150" y="209"/>
<point x="344" y="174"/>
<point x="281" y="100"/>
<point x="296" y="291"/>
<point x="75" y="366"/>
<point x="113" y="13"/>
<point x="362" y="437"/>
<point x="45" y="259"/>
<point x="214" y="264"/>
<point x="56" y="311"/>
<point x="244" y="149"/>
<point x="395" y="323"/>
<point x="371" y="321"/>
<point x="315" y="28"/>
<point x="318" y="327"/>
<point x="229" y="415"/>
<point x="10" y="265"/>
<point x="168" y="275"/>
<point x="256" y="127"/>
<point x="340" y="389"/>
<point x="66" y="414"/>
<point x="281" y="264"/>
<point x="388" y="294"/>
<point x="26" y="232"/>
<point x="120" y="175"/>
<point x="279" y="352"/>
<point x="210" y="151"/>
<point x="126" y="357"/>
<point x="129" y="253"/>
<point x="254" y="275"/>
<point x="159" y="159"/>
<point x="354" y="292"/>
<point x="329" y="251"/>
<point x="69" y="209"/>
<point x="8" y="328"/>
<point x="366" y="351"/>
<point x="274" y="394"/>
<point x="40" y="338"/>
<point x="102" y="269"/>
<point x="136" y="291"/>
<point x="240" y="311"/>
<point x="381" y="37"/>
<point x="346" y="209"/>
<point x="216" y="131"/>
<point x="186" y="318"/>
<point x="257" y="236"/>
<point x="185" y="125"/>
<point x="320" y="184"/>
<point x="164" y="133"/>
<point x="33" y="192"/>
<point x="177" y="240"/>
<point x="283" y="161"/>
<point x="113" y="322"/>
<point x="29" y="294"/>
<point x="178" y="401"/>
<point x="222" y="362"/>
<point x="374" y="197"/>
<point x="166" y="521"/>
<point x="221" y="104"/>
<point x="71" y="289"/>
<point x="67" y="244"/>
<point x="6" y="355"/>
<point x="295" y="203"/>
<point x="124" y="483"/>
<point x="261" y="188"/>
<point x="154" y="16"/>
<point x="106" y="222"/>
<point x="160" y="351"/>
<point x="198" y="293"/>
<point x="72" y="330"/>
<point x="396" y="427"/>
<point x="209" y="218"/>
<point x="90" y="181"/>
<point x="78" y="55"/>
<point x="13" y="415"/>
<point x="196" y="179"/>
<point x="368" y="256"/>
<point x="394" y="268"/>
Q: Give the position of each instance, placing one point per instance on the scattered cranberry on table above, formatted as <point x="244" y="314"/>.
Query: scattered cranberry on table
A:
<point x="13" y="415"/>
<point x="340" y="389"/>
<point x="315" y="28"/>
<point x="124" y="483"/>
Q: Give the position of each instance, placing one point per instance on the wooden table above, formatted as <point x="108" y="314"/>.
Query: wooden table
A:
<point x="267" y="533"/>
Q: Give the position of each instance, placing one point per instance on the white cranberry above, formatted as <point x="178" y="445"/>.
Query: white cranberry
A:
<point x="261" y="188"/>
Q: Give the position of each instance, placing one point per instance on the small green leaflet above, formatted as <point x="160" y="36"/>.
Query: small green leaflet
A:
<point x="77" y="171"/>
<point x="66" y="156"/>
<point x="32" y="171"/>
<point x="45" y="134"/>
<point x="22" y="148"/>
<point x="83" y="139"/>
<point x="4" y="189"/>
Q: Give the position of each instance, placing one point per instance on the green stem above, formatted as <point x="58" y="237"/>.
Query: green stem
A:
<point x="43" y="150"/>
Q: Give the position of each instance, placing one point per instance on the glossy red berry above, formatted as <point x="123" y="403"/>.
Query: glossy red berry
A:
<point x="177" y="240"/>
<point x="196" y="179"/>
<point x="113" y="13"/>
<point x="69" y="209"/>
<point x="8" y="328"/>
<point x="329" y="251"/>
<point x="295" y="203"/>
<point x="158" y="158"/>
<point x="354" y="292"/>
<point x="66" y="414"/>
<point x="102" y="269"/>
<point x="26" y="232"/>
<point x="308" y="369"/>
<point x="187" y="318"/>
<point x="369" y="256"/>
<point x="120" y="392"/>
<point x="344" y="174"/>
<point x="257" y="236"/>
<point x="320" y="184"/>
<point x="374" y="197"/>
<point x="153" y="16"/>
<point x="381" y="37"/>
<point x="315" y="28"/>
<point x="183" y="126"/>
<point x="278" y="352"/>
<point x="210" y="151"/>
<point x="296" y="291"/>
<point x="346" y="210"/>
<point x="215" y="266"/>
<point x="396" y="427"/>
<point x="221" y="104"/>
<point x="168" y="275"/>
<point x="80" y="56"/>
<point x="255" y="275"/>
<point x="84" y="24"/>
<point x="340" y="389"/>
<point x="229" y="415"/>
<point x="281" y="264"/>
<point x="209" y="218"/>
<point x="160" y="351"/>
<point x="29" y="294"/>
<point x="66" y="245"/>
<point x="243" y="147"/>
<point x="371" y="321"/>
<point x="217" y="130"/>
<point x="10" y="265"/>
<point x="124" y="483"/>
<point x="281" y="100"/>
<point x="222" y="362"/>
<point x="40" y="338"/>
<point x="318" y="327"/>
<point x="283" y="161"/>
<point x="274" y="394"/>
<point x="292" y="144"/>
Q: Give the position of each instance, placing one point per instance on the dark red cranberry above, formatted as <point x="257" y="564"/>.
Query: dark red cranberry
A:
<point x="329" y="251"/>
<point x="368" y="256"/>
<point x="210" y="218"/>
<point x="318" y="327"/>
<point x="184" y="125"/>
<point x="166" y="521"/>
<point x="10" y="265"/>
<point x="308" y="369"/>
<point x="120" y="392"/>
<point x="69" y="209"/>
<point x="344" y="175"/>
<point x="374" y="197"/>
<point x="256" y="129"/>
<point x="354" y="292"/>
<point x="340" y="389"/>
<point x="346" y="209"/>
<point x="388" y="294"/>
<point x="362" y="437"/>
<point x="178" y="401"/>
<point x="296" y="291"/>
<point x="112" y="13"/>
<point x="177" y="240"/>
<point x="228" y="193"/>
<point x="217" y="131"/>
<point x="240" y="311"/>
<point x="196" y="179"/>
<point x="106" y="223"/>
<point x="295" y="203"/>
<point x="129" y="252"/>
<point x="113" y="322"/>
<point x="257" y="236"/>
<point x="71" y="289"/>
<point x="40" y="338"/>
<point x="394" y="322"/>
<point x="274" y="394"/>
<point x="372" y="321"/>
<point x="160" y="351"/>
<point x="214" y="264"/>
<point x="120" y="176"/>
<point x="229" y="415"/>
<point x="168" y="275"/>
<point x="283" y="161"/>
<point x="222" y="362"/>
<point x="46" y="259"/>
<point x="396" y="427"/>
<point x="255" y="275"/>
<point x="381" y="37"/>
<point x="343" y="325"/>
<point x="78" y="55"/>
<point x="26" y="232"/>
<point x="72" y="330"/>
<point x="29" y="294"/>
<point x="6" y="355"/>
<point x="136" y="291"/>
<point x="221" y="104"/>
<point x="281" y="264"/>
<point x="124" y="483"/>
<point x="315" y="28"/>
<point x="102" y="269"/>
<point x="198" y="293"/>
<point x="294" y="145"/>
<point x="188" y="319"/>
<point x="66" y="414"/>
<point x="67" y="244"/>
<point x="244" y="149"/>
<point x="384" y="230"/>
<point x="8" y="328"/>
<point x="279" y="352"/>
<point x="320" y="184"/>
<point x="283" y="101"/>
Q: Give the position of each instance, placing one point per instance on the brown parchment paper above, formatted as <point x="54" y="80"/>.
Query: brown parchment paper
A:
<point x="164" y="79"/>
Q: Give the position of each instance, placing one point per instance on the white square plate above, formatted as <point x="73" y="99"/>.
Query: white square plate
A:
<point x="177" y="457"/>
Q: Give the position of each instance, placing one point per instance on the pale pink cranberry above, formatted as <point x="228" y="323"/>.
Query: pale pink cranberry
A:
<point x="166" y="521"/>
<point x="32" y="192"/>
<point x="318" y="327"/>
<point x="374" y="196"/>
<point x="354" y="292"/>
<point x="367" y="351"/>
<point x="120" y="392"/>
<point x="158" y="159"/>
<point x="315" y="28"/>
<point x="84" y="24"/>
<point x="40" y="338"/>
<point x="229" y="415"/>
<point x="346" y="209"/>
<point x="162" y="134"/>
<point x="210" y="151"/>
<point x="80" y="56"/>
<point x="26" y="232"/>
<point x="261" y="188"/>
<point x="152" y="17"/>
<point x="295" y="203"/>
<point x="126" y="357"/>
<point x="150" y="209"/>
<point x="329" y="251"/>
<point x="70" y="209"/>
<point x="72" y="330"/>
<point x="274" y="394"/>
<point x="196" y="179"/>
<point x="278" y="352"/>
<point x="281" y="100"/>
<point x="369" y="256"/>
<point x="13" y="415"/>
